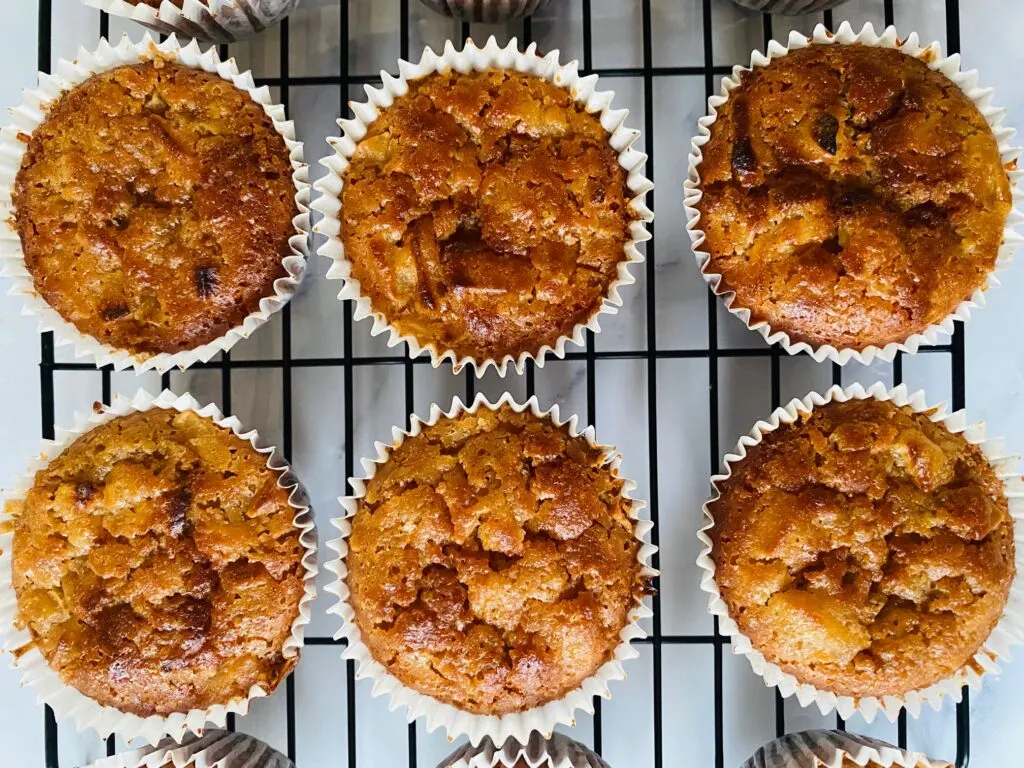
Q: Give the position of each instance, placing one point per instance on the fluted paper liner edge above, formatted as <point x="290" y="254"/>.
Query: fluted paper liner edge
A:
<point x="948" y="66"/>
<point x="828" y="749"/>
<point x="67" y="702"/>
<point x="559" y="751"/>
<point x="210" y="21"/>
<point x="473" y="59"/>
<point x="30" y="113"/>
<point x="518" y="725"/>
<point x="214" y="749"/>
<point x="1009" y="631"/>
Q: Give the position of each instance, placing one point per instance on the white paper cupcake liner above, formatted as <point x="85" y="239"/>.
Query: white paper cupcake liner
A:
<point x="828" y="749"/>
<point x="932" y="56"/>
<point x="474" y="59"/>
<point x="486" y="11"/>
<point x="215" y="749"/>
<point x="67" y="702"/>
<point x="27" y="117"/>
<point x="557" y="752"/>
<point x="788" y="7"/>
<point x="210" y="21"/>
<point x="1008" y="632"/>
<point x="456" y="722"/>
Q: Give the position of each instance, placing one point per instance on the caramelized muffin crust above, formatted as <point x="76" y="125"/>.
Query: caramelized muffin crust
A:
<point x="865" y="550"/>
<point x="485" y="213"/>
<point x="157" y="566"/>
<point x="851" y="196"/>
<point x="492" y="562"/>
<point x="154" y="205"/>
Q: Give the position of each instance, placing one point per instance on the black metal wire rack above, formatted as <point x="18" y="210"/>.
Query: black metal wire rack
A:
<point x="650" y="354"/>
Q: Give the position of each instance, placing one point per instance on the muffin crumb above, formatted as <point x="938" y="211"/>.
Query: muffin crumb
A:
<point x="493" y="563"/>
<point x="485" y="213"/>
<point x="154" y="205"/>
<point x="865" y="550"/>
<point x="156" y="565"/>
<point x="851" y="196"/>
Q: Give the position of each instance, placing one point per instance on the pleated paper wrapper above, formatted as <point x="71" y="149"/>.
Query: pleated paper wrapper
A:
<point x="950" y="67"/>
<point x="474" y="59"/>
<point x="1008" y="632"/>
<point x="28" y="116"/>
<point x="437" y="714"/>
<point x="67" y="702"/>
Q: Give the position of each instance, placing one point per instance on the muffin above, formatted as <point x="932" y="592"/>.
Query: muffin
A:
<point x="213" y="21"/>
<point x="851" y="196"/>
<point x="788" y="7"/>
<point x="556" y="751"/>
<point x="485" y="216"/>
<point x="158" y="565"/>
<point x="492" y="562"/>
<point x="863" y="549"/>
<point x="155" y="205"/>
<point x="214" y="749"/>
<point x="486" y="11"/>
<point x="835" y="749"/>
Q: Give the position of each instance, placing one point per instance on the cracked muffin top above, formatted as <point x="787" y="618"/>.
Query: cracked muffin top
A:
<point x="493" y="563"/>
<point x="157" y="566"/>
<point x="154" y="205"/>
<point x="865" y="550"/>
<point x="485" y="213"/>
<point x="852" y="196"/>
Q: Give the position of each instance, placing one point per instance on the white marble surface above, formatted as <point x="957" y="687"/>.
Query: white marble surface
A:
<point x="995" y="360"/>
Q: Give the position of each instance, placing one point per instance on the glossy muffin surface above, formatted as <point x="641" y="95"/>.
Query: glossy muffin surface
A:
<point x="154" y="205"/>
<point x="493" y="562"/>
<point x="485" y="213"/>
<point x="865" y="550"/>
<point x="852" y="196"/>
<point x="157" y="566"/>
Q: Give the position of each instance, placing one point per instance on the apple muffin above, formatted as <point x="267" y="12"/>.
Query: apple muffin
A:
<point x="492" y="562"/>
<point x="154" y="205"/>
<point x="485" y="213"/>
<point x="851" y="196"/>
<point x="157" y="565"/>
<point x="865" y="549"/>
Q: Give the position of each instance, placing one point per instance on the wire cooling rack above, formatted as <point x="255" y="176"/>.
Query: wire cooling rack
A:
<point x="322" y="716"/>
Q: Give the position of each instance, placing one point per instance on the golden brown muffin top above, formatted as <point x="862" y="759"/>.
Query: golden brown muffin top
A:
<point x="154" y="205"/>
<point x="852" y="196"/>
<point x="865" y="550"/>
<point x="485" y="213"/>
<point x="493" y="563"/>
<point x="157" y="566"/>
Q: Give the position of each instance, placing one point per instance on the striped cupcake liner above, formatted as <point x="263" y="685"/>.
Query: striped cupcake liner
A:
<point x="498" y="729"/>
<point x="214" y="749"/>
<point x="209" y="21"/>
<point x="30" y="114"/>
<point x="474" y="59"/>
<point x="486" y="11"/>
<point x="788" y="7"/>
<point x="950" y="67"/>
<point x="829" y="749"/>
<point x="67" y="702"/>
<point x="1008" y="632"/>
<point x="556" y="752"/>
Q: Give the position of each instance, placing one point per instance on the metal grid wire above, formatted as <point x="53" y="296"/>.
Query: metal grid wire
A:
<point x="646" y="74"/>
